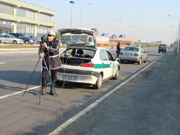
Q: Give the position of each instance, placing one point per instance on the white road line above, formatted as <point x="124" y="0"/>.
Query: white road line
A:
<point x="9" y="95"/>
<point x="3" y="63"/>
<point x="93" y="105"/>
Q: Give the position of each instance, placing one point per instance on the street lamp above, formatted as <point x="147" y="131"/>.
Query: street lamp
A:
<point x="72" y="2"/>
<point x="115" y="22"/>
<point x="81" y="11"/>
<point x="178" y="31"/>
<point x="131" y="30"/>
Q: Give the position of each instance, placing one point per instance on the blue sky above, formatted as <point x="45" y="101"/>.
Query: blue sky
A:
<point x="149" y="16"/>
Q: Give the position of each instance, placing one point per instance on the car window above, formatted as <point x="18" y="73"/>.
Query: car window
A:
<point x="131" y="49"/>
<point x="103" y="55"/>
<point x="109" y="56"/>
<point x="5" y="36"/>
<point x="12" y="36"/>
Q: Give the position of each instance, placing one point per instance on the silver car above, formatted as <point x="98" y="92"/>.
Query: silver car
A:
<point x="131" y="53"/>
<point x="10" y="39"/>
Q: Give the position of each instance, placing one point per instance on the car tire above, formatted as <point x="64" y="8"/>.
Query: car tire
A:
<point x="98" y="82"/>
<point x="140" y="61"/>
<point x="122" y="61"/>
<point x="145" y="60"/>
<point x="0" y="41"/>
<point x="117" y="74"/>
<point x="14" y="42"/>
<point x="26" y="42"/>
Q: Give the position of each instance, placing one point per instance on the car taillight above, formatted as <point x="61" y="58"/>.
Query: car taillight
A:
<point x="86" y="65"/>
<point x="136" y="54"/>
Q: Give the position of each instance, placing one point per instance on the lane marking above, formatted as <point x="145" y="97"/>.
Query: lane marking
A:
<point x="9" y="95"/>
<point x="98" y="101"/>
<point x="3" y="63"/>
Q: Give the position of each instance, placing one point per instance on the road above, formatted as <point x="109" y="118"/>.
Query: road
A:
<point x="23" y="115"/>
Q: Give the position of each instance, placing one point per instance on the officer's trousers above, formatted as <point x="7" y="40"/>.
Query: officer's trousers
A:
<point x="53" y="74"/>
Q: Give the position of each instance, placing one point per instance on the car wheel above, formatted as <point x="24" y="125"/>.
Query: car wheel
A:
<point x="14" y="42"/>
<point x="0" y="41"/>
<point x="26" y="42"/>
<point x="98" y="82"/>
<point x="145" y="60"/>
<point x="140" y="61"/>
<point x="117" y="75"/>
<point x="122" y="61"/>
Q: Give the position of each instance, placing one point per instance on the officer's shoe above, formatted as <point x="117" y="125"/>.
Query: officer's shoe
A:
<point x="52" y="88"/>
<point x="44" y="83"/>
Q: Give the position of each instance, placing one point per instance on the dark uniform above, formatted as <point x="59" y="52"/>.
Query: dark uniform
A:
<point x="118" y="49"/>
<point x="51" y="61"/>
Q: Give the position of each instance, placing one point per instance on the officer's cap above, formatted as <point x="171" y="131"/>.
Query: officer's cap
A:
<point x="50" y="33"/>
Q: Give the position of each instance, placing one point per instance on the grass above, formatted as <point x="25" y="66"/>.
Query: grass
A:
<point x="21" y="46"/>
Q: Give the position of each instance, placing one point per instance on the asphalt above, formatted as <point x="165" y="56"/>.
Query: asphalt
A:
<point x="147" y="105"/>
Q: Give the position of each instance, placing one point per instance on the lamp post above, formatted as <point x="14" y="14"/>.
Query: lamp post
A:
<point x="131" y="30"/>
<point x="178" y="30"/>
<point x="72" y="2"/>
<point x="81" y="11"/>
<point x="115" y="20"/>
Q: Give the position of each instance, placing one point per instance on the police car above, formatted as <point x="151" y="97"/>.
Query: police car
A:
<point x="83" y="61"/>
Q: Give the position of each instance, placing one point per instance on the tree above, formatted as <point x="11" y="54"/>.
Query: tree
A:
<point x="58" y="36"/>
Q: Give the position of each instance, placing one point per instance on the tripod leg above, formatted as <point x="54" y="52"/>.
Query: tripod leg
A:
<point x="31" y="76"/>
<point x="40" y="93"/>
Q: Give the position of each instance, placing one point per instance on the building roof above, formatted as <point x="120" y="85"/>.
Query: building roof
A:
<point x="21" y="4"/>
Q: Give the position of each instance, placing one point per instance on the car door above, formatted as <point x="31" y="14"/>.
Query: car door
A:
<point x="105" y="64"/>
<point x="113" y="66"/>
<point x="5" y="39"/>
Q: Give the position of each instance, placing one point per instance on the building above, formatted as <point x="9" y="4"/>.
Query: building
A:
<point x="20" y="17"/>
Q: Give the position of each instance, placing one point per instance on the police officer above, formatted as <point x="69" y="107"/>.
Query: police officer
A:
<point x="118" y="49"/>
<point x="50" y="51"/>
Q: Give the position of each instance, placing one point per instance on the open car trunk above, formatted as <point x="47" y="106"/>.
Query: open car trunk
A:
<point x="76" y="57"/>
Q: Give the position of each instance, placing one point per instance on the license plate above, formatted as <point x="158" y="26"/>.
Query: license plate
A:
<point x="129" y="54"/>
<point x="67" y="77"/>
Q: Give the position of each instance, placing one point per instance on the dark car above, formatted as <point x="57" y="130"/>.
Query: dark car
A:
<point x="25" y="38"/>
<point x="162" y="48"/>
<point x="36" y="39"/>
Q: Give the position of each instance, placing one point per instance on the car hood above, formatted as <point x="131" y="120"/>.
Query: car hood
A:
<point x="78" y="43"/>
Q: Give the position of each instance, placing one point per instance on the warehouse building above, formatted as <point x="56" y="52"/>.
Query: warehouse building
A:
<point x="20" y="17"/>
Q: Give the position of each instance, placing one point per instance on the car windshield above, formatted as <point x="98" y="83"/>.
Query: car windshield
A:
<point x="162" y="46"/>
<point x="26" y="36"/>
<point x="131" y="49"/>
<point x="78" y="40"/>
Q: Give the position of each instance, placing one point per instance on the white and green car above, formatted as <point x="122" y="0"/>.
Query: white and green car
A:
<point x="83" y="61"/>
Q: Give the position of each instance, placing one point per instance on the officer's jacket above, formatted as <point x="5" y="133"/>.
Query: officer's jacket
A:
<point x="51" y="55"/>
<point x="118" y="49"/>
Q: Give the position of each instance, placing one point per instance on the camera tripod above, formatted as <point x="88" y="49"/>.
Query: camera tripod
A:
<point x="41" y="89"/>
